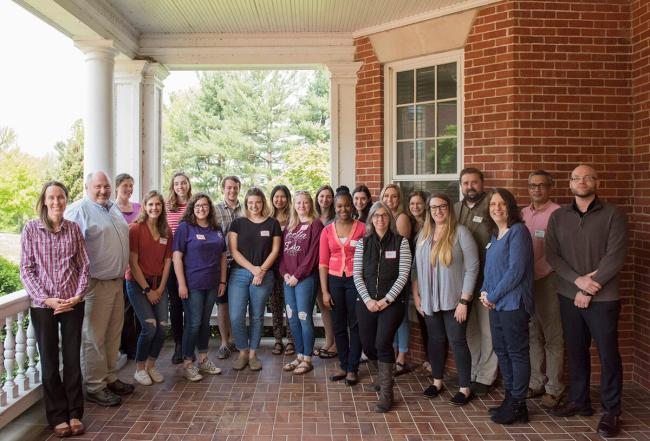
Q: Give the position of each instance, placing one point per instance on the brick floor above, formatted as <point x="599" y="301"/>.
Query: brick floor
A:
<point x="277" y="406"/>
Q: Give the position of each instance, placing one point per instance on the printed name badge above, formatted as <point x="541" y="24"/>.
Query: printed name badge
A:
<point x="163" y="241"/>
<point x="304" y="227"/>
<point x="282" y="227"/>
<point x="488" y="245"/>
<point x="265" y="233"/>
<point x="477" y="219"/>
<point x="200" y="237"/>
<point x="391" y="254"/>
<point x="540" y="233"/>
<point x="353" y="243"/>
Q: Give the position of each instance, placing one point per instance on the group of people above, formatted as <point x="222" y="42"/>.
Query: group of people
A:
<point x="483" y="275"/>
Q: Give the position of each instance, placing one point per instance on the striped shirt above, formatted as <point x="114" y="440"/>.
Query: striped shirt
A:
<point x="174" y="217"/>
<point x="225" y="215"/>
<point x="53" y="265"/>
<point x="400" y="282"/>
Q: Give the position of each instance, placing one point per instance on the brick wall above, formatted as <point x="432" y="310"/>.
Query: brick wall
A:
<point x="552" y="84"/>
<point x="640" y="218"/>
<point x="370" y="117"/>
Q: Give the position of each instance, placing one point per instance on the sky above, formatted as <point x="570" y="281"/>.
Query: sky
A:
<point x="42" y="80"/>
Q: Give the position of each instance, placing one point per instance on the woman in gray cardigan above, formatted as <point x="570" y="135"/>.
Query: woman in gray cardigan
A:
<point x="445" y="268"/>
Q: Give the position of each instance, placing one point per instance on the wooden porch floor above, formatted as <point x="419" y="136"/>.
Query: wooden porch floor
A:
<point x="277" y="406"/>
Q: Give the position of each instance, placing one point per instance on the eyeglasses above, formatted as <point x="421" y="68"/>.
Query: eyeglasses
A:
<point x="583" y="178"/>
<point x="538" y="186"/>
<point x="382" y="216"/>
<point x="201" y="207"/>
<point x="441" y="207"/>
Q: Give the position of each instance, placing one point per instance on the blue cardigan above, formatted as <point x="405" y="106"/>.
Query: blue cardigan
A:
<point x="509" y="270"/>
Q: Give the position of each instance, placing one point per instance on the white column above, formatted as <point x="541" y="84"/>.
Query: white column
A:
<point x="343" y="81"/>
<point x="98" y="116"/>
<point x="138" y="109"/>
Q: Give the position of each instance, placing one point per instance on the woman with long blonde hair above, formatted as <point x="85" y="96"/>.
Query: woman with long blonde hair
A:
<point x="444" y="275"/>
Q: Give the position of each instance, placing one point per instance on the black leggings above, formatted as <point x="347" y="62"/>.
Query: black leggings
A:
<point x="442" y="326"/>
<point x="175" y="307"/>
<point x="377" y="329"/>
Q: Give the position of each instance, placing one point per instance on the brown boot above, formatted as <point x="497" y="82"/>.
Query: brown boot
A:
<point x="386" y="382"/>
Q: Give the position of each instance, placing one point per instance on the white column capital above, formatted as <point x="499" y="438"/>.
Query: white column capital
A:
<point x="143" y="71"/>
<point x="155" y="73"/>
<point x="97" y="48"/>
<point x="345" y="71"/>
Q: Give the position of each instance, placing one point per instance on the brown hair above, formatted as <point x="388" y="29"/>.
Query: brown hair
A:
<point x="172" y="200"/>
<point x="161" y="223"/>
<point x="319" y="211"/>
<point x="41" y="208"/>
<point x="190" y="217"/>
<point x="255" y="191"/>
<point x="121" y="178"/>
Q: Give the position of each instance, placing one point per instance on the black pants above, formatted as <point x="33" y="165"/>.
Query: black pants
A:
<point x="443" y="327"/>
<point x="346" y="327"/>
<point x="175" y="307"/>
<point x="511" y="344"/>
<point x="600" y="321"/>
<point x="64" y="399"/>
<point x="130" y="330"/>
<point x="377" y="329"/>
<point x="425" y="336"/>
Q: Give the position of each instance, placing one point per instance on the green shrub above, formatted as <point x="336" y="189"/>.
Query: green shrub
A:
<point x="9" y="277"/>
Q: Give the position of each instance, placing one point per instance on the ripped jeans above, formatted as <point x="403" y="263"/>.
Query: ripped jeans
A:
<point x="300" y="301"/>
<point x="153" y="320"/>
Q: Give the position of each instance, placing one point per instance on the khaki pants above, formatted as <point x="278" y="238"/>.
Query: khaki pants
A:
<point x="102" y="329"/>
<point x="479" y="340"/>
<point x="546" y="338"/>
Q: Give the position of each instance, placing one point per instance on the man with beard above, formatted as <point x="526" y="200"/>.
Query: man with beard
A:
<point x="586" y="245"/>
<point x="472" y="212"/>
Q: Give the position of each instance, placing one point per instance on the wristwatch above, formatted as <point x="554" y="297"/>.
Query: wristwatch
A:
<point x="146" y="290"/>
<point x="462" y="301"/>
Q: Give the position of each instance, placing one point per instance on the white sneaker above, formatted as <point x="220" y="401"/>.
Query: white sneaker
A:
<point x="142" y="377"/>
<point x="208" y="367"/>
<point x="191" y="373"/>
<point x="155" y="375"/>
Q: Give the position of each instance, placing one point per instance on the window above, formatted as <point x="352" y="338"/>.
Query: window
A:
<point x="423" y="123"/>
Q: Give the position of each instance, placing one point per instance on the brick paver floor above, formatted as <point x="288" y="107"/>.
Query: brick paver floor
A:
<point x="277" y="406"/>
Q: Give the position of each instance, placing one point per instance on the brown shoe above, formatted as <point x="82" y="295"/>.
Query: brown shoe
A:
<point x="241" y="362"/>
<point x="609" y="425"/>
<point x="77" y="429"/>
<point x="62" y="432"/>
<point x="550" y="401"/>
<point x="254" y="363"/>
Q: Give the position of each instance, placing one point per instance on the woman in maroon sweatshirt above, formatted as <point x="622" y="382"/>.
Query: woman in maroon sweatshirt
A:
<point x="299" y="270"/>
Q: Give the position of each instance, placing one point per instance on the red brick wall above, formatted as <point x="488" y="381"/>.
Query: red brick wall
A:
<point x="370" y="117"/>
<point x="640" y="218"/>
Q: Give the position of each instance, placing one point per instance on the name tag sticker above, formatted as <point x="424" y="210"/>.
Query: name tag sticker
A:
<point x="282" y="227"/>
<point x="200" y="237"/>
<point x="163" y="241"/>
<point x="477" y="219"/>
<point x="303" y="227"/>
<point x="540" y="233"/>
<point x="353" y="243"/>
<point x="391" y="254"/>
<point x="488" y="245"/>
<point x="265" y="233"/>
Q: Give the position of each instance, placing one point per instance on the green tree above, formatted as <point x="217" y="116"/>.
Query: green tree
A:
<point x="70" y="167"/>
<point x="9" y="277"/>
<point x="304" y="168"/>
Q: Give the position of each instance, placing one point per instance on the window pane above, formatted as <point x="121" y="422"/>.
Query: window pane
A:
<point x="425" y="157"/>
<point x="405" y="122"/>
<point x="405" y="158"/>
<point x="447" y="81"/>
<point x="447" y="119"/>
<point x="405" y="87"/>
<point x="447" y="155"/>
<point x="425" y="118"/>
<point x="450" y="188"/>
<point x="426" y="90"/>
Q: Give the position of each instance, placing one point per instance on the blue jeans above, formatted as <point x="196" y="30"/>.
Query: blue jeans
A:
<point x="152" y="318"/>
<point x="196" y="329"/>
<point x="403" y="334"/>
<point x="346" y="327"/>
<point x="243" y="295"/>
<point x="510" y="343"/>
<point x="300" y="301"/>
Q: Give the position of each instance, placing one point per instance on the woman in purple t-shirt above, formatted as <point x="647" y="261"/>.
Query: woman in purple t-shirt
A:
<point x="200" y="265"/>
<point x="123" y="192"/>
<point x="299" y="270"/>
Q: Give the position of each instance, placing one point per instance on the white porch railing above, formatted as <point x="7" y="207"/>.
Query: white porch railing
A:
<point x="22" y="377"/>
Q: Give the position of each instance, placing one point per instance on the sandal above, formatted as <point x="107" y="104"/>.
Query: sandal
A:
<point x="290" y="349"/>
<point x="326" y="354"/>
<point x="278" y="348"/>
<point x="291" y="366"/>
<point x="303" y="368"/>
<point x="400" y="369"/>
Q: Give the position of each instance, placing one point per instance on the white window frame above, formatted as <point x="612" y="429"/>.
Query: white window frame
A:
<point x="390" y="114"/>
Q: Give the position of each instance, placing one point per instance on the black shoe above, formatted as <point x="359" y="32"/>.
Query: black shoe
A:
<point x="495" y="410"/>
<point x="338" y="377"/>
<point x="120" y="388"/>
<point x="432" y="391"/>
<point x="513" y="411"/>
<point x="609" y="425"/>
<point x="480" y="389"/>
<point x="460" y="399"/>
<point x="352" y="381"/>
<point x="177" y="358"/>
<point x="571" y="409"/>
<point x="104" y="398"/>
